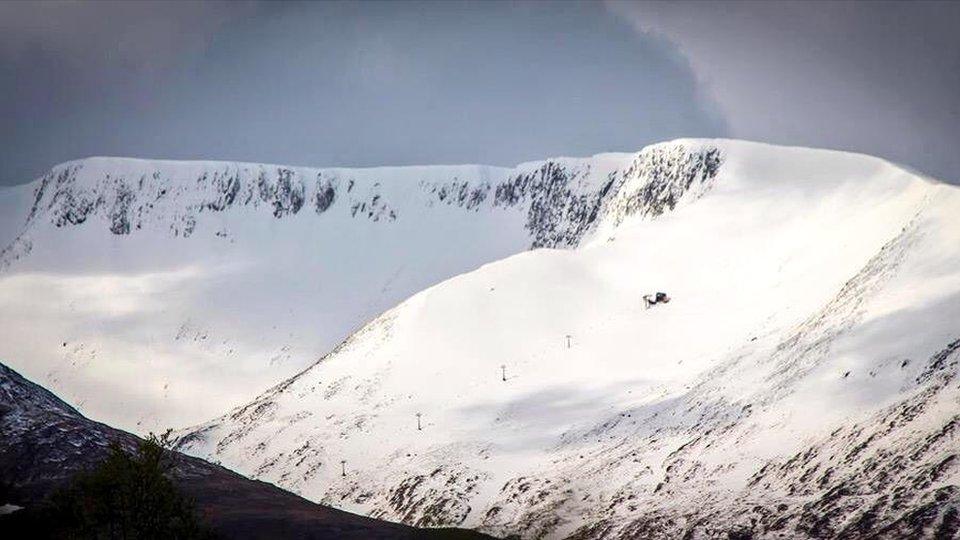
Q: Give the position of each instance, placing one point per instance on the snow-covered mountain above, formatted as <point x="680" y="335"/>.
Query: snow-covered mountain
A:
<point x="156" y="293"/>
<point x="802" y="382"/>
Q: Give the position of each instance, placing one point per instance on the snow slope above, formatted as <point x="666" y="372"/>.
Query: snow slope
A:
<point x="802" y="381"/>
<point x="157" y="293"/>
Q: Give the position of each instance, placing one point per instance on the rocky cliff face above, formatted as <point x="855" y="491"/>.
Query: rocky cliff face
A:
<point x="562" y="199"/>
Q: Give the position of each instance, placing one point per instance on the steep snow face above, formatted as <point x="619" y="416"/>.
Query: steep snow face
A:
<point x="801" y="382"/>
<point x="155" y="293"/>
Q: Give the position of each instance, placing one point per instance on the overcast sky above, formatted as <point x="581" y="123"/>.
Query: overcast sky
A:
<point x="499" y="83"/>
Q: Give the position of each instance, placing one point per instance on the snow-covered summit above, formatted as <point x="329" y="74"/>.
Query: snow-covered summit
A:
<point x="130" y="194"/>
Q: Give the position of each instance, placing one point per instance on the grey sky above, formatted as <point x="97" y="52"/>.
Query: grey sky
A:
<point x="499" y="83"/>
<point x="876" y="77"/>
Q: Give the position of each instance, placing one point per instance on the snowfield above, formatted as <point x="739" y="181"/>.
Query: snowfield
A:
<point x="801" y="382"/>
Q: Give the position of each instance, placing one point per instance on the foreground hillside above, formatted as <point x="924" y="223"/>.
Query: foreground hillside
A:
<point x="157" y="293"/>
<point x="45" y="442"/>
<point x="802" y="382"/>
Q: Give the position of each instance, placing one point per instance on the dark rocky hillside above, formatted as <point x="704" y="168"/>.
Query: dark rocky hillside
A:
<point x="44" y="442"/>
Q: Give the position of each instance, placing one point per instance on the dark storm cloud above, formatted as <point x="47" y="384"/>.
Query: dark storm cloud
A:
<point x="875" y="77"/>
<point x="74" y="75"/>
<point x="499" y="83"/>
<point x="335" y="84"/>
